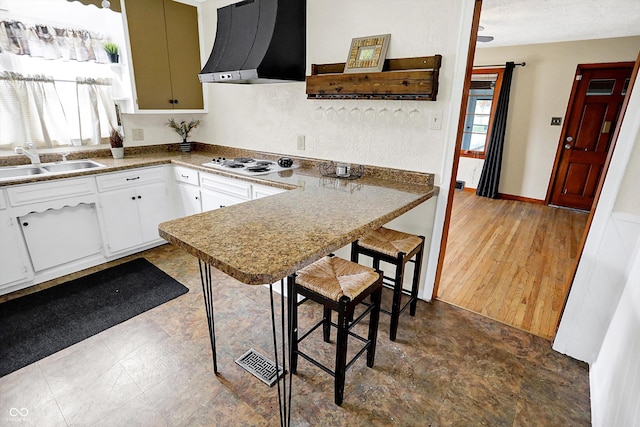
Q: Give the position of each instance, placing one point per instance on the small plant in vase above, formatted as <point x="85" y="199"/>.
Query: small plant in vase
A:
<point x="112" y="51"/>
<point x="116" y="140"/>
<point x="183" y="128"/>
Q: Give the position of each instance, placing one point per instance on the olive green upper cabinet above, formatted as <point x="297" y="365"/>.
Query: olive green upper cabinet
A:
<point x="165" y="51"/>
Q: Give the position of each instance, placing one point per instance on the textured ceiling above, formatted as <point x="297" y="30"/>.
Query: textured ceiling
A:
<point x="516" y="22"/>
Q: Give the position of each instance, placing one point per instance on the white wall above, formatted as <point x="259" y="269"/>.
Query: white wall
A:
<point x="269" y="117"/>
<point x="615" y="375"/>
<point x="539" y="91"/>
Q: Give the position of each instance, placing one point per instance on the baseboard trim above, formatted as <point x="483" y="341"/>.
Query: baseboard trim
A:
<point x="521" y="199"/>
<point x="510" y="197"/>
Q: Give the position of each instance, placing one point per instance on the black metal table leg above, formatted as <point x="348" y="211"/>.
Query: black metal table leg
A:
<point x="207" y="291"/>
<point x="284" y="390"/>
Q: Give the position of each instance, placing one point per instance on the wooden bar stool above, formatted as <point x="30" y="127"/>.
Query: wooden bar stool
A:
<point x="339" y="285"/>
<point x="398" y="248"/>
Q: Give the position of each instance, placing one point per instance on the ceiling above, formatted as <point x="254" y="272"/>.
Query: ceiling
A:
<point x="516" y="22"/>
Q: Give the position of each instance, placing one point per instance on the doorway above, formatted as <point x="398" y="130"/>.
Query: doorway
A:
<point x="592" y="114"/>
<point x="538" y="268"/>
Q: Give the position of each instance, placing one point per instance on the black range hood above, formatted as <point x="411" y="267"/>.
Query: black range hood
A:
<point x="258" y="41"/>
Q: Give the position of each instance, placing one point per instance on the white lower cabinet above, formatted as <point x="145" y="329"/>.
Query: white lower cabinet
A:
<point x="57" y="227"/>
<point x="137" y="201"/>
<point x="218" y="191"/>
<point x="188" y="191"/>
<point x="14" y="263"/>
<point x="260" y="191"/>
<point x="190" y="199"/>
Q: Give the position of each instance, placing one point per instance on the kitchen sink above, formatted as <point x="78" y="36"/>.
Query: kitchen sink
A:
<point x="23" y="171"/>
<point x="18" y="171"/>
<point x="71" y="165"/>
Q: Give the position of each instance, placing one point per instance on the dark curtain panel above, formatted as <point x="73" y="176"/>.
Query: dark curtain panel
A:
<point x="490" y="176"/>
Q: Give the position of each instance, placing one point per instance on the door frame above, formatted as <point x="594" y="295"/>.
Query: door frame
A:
<point x="580" y="68"/>
<point x="471" y="53"/>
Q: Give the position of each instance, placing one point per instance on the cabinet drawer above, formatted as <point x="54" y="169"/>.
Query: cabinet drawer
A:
<point x="233" y="187"/>
<point x="186" y="175"/>
<point x="130" y="178"/>
<point x="53" y="190"/>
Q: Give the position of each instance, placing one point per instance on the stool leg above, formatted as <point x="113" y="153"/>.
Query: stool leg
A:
<point x="326" y="325"/>
<point x="354" y="252"/>
<point x="341" y="350"/>
<point x="416" y="280"/>
<point x="397" y="297"/>
<point x="373" y="326"/>
<point x="293" y="323"/>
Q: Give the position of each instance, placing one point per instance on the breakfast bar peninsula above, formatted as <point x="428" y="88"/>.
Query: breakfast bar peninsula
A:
<point x="264" y="241"/>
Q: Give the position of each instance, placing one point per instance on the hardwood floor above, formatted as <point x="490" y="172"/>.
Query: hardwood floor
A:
<point x="510" y="261"/>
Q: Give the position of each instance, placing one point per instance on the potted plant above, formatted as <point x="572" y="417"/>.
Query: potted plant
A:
<point x="183" y="128"/>
<point x="116" y="140"/>
<point x="112" y="51"/>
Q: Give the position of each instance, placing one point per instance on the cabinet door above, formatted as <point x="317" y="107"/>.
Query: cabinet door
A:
<point x="215" y="200"/>
<point x="154" y="207"/>
<point x="58" y="236"/>
<point x="183" y="43"/>
<point x="120" y="216"/>
<point x="147" y="35"/>
<point x="165" y="51"/>
<point x="14" y="266"/>
<point x="189" y="197"/>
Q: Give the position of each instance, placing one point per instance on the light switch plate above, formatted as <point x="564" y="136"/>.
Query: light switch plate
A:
<point x="137" y="134"/>
<point x="556" y="121"/>
<point x="300" y="141"/>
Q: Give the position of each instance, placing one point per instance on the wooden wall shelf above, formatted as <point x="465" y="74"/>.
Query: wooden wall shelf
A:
<point x="404" y="78"/>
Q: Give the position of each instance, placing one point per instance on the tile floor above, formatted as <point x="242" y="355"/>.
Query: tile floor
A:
<point x="448" y="367"/>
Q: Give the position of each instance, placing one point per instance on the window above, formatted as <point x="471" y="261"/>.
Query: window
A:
<point x="58" y="87"/>
<point x="481" y="105"/>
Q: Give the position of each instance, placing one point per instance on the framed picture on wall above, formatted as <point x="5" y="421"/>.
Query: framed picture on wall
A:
<point x="367" y="54"/>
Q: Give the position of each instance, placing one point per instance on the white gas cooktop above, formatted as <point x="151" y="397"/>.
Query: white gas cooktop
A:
<point x="246" y="166"/>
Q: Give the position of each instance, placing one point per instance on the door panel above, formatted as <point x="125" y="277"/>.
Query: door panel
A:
<point x="584" y="144"/>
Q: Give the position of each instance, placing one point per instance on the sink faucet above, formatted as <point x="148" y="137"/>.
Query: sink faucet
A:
<point x="31" y="151"/>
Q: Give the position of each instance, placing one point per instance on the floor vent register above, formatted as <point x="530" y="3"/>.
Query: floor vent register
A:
<point x="263" y="368"/>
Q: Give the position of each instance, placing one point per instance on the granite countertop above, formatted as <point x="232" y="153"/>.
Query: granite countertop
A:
<point x="137" y="157"/>
<point x="265" y="240"/>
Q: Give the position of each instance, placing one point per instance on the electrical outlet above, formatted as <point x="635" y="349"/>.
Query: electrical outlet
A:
<point x="556" y="121"/>
<point x="300" y="141"/>
<point x="436" y="120"/>
<point x="137" y="134"/>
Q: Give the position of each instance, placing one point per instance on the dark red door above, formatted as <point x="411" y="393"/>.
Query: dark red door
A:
<point x="591" y="119"/>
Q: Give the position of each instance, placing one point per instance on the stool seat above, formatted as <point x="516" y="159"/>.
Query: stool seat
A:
<point x="397" y="248"/>
<point x="390" y="242"/>
<point x="334" y="277"/>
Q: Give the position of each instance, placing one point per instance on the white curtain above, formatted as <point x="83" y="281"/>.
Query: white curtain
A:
<point x="31" y="111"/>
<point x="96" y="110"/>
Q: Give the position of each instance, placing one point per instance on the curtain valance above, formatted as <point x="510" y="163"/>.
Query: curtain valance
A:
<point x="49" y="42"/>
